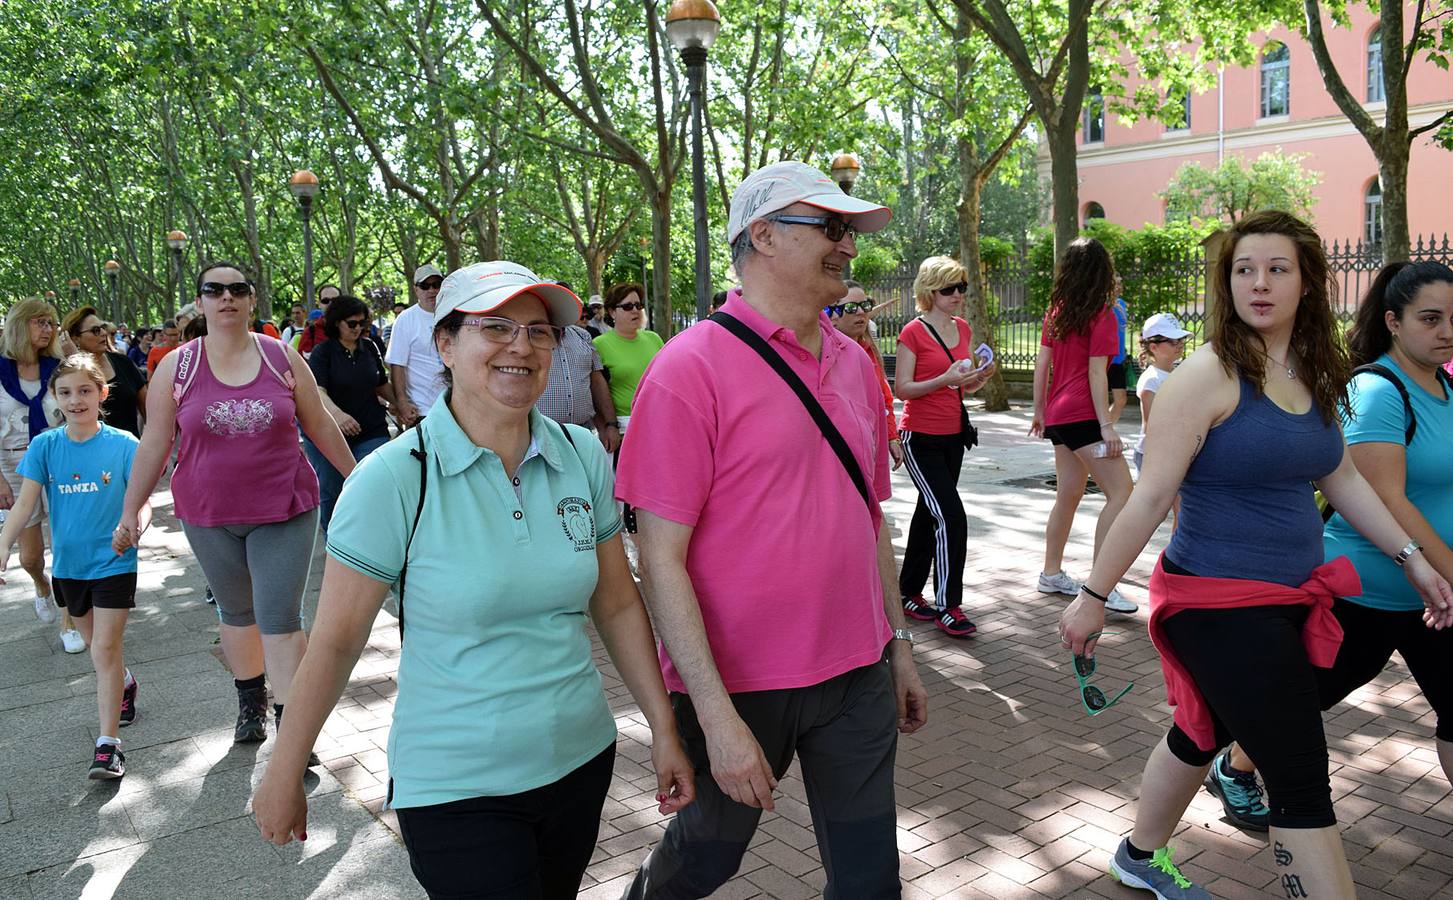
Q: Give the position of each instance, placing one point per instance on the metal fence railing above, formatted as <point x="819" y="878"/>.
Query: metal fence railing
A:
<point x="1017" y="294"/>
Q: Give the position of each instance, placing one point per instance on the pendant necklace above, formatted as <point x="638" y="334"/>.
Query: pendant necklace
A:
<point x="1291" y="373"/>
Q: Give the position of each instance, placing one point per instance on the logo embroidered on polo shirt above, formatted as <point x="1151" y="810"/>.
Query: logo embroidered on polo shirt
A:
<point x="577" y="522"/>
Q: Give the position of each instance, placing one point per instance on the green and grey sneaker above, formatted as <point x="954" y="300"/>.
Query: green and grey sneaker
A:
<point x="1239" y="793"/>
<point x="1158" y="875"/>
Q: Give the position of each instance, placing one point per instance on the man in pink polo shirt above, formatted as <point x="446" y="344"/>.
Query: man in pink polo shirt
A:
<point x="766" y="569"/>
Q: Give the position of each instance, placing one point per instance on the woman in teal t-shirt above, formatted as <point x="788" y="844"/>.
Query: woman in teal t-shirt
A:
<point x="503" y="744"/>
<point x="1405" y="325"/>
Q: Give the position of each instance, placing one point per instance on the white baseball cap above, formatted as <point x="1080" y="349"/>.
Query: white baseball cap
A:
<point x="426" y="271"/>
<point x="782" y="184"/>
<point x="1164" y="325"/>
<point x="484" y="287"/>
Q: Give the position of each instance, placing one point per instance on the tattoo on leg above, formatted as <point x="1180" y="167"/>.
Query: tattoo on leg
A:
<point x="1292" y="885"/>
<point x="1282" y="855"/>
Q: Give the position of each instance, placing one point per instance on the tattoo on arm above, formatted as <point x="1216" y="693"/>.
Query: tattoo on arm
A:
<point x="1200" y="438"/>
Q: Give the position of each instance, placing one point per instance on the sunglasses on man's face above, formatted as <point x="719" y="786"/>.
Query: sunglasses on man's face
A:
<point x="960" y="288"/>
<point x="216" y="289"/>
<point x="1094" y="699"/>
<point x="627" y="307"/>
<point x="429" y="284"/>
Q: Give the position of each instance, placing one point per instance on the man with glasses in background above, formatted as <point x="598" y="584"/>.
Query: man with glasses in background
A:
<point x="414" y="366"/>
<point x="776" y="642"/>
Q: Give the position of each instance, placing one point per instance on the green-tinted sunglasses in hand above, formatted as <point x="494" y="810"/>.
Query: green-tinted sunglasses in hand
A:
<point x="1094" y="699"/>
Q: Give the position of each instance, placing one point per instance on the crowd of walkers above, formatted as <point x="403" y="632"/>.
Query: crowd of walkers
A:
<point x="472" y="459"/>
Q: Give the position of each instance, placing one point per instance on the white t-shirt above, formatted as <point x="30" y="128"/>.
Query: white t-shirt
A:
<point x="1149" y="383"/>
<point x="412" y="346"/>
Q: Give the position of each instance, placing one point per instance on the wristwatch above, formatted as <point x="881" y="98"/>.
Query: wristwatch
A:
<point x="903" y="634"/>
<point x="1408" y="550"/>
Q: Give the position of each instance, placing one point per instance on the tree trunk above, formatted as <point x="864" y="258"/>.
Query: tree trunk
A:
<point x="976" y="308"/>
<point x="661" y="263"/>
<point x="595" y="262"/>
<point x="1064" y="181"/>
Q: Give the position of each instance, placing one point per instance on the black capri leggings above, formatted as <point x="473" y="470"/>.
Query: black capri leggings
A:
<point x="938" y="536"/>
<point x="1369" y="638"/>
<point x="1250" y="666"/>
<point x="529" y="846"/>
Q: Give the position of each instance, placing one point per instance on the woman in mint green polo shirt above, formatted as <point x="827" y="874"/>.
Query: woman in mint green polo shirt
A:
<point x="502" y="743"/>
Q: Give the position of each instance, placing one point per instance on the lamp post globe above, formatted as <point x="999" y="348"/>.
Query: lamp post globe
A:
<point x="845" y="171"/>
<point x="75" y="285"/>
<point x="692" y="27"/>
<point x="304" y="185"/>
<point x="112" y="268"/>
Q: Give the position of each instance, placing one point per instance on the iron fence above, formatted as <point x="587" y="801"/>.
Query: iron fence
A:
<point x="1017" y="294"/>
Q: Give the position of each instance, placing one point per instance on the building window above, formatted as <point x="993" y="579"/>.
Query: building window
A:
<point x="1276" y="70"/>
<point x="1374" y="66"/>
<point x="1372" y="213"/>
<point x="1093" y="210"/>
<point x="1183" y="122"/>
<point x="1093" y="120"/>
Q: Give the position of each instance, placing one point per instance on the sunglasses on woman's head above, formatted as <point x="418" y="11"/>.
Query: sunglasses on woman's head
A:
<point x="630" y="306"/>
<point x="960" y="288"/>
<point x="216" y="289"/>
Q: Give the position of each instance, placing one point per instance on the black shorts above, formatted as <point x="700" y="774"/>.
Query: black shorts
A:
<point x="1117" y="376"/>
<point x="80" y="595"/>
<point x="1074" y="435"/>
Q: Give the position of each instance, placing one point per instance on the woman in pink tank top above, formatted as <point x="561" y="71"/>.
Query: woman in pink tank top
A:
<point x="232" y="402"/>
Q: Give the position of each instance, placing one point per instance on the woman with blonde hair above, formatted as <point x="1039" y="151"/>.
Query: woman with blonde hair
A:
<point x="936" y="368"/>
<point x="31" y="351"/>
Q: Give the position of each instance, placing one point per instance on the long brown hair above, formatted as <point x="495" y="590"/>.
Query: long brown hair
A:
<point x="1316" y="338"/>
<point x="1082" y="287"/>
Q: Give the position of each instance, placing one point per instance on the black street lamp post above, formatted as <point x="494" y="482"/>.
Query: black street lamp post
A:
<point x="304" y="185"/>
<point x="692" y="27"/>
<point x="112" y="268"/>
<point x="177" y="241"/>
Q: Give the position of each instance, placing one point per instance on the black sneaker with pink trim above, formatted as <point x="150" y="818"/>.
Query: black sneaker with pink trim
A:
<point x="128" y="703"/>
<point x="954" y="623"/>
<point x="108" y="764"/>
<point x="916" y="607"/>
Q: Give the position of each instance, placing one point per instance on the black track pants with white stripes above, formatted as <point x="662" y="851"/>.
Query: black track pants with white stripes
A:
<point x="939" y="534"/>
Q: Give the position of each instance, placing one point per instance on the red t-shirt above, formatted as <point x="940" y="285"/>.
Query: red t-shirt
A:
<point x="1069" y="379"/>
<point x="936" y="412"/>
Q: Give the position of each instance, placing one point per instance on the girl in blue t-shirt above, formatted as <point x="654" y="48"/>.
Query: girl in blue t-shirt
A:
<point x="84" y="468"/>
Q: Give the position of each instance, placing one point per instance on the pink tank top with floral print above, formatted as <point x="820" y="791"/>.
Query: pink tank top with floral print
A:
<point x="239" y="461"/>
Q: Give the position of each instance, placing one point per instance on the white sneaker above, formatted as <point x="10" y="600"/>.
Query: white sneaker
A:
<point x="1118" y="603"/>
<point x="45" y="609"/>
<point x="1058" y="583"/>
<point x="72" y="642"/>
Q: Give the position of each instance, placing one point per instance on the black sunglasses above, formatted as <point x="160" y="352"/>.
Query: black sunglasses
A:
<point x="630" y="306"/>
<point x="429" y="284"/>
<point x="355" y="323"/>
<point x="94" y="331"/>
<point x="839" y="309"/>
<point x="836" y="229"/>
<point x="1165" y="340"/>
<point x="961" y="288"/>
<point x="216" y="289"/>
<point x="1093" y="698"/>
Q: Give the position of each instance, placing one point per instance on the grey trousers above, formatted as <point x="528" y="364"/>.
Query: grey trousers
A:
<point x="845" y="731"/>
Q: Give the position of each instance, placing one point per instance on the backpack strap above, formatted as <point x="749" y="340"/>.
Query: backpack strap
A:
<point x="270" y="347"/>
<point x="819" y="415"/>
<point x="1384" y="372"/>
<point x="423" y="458"/>
<point x="189" y="359"/>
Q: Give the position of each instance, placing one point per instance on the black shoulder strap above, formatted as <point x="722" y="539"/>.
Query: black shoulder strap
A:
<point x="819" y="415"/>
<point x="1384" y="372"/>
<point x="423" y="459"/>
<point x="946" y="351"/>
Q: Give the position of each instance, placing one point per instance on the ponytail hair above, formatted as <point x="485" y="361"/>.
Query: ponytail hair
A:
<point x="1395" y="286"/>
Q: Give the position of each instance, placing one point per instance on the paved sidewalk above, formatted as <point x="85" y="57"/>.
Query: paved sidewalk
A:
<point x="1010" y="791"/>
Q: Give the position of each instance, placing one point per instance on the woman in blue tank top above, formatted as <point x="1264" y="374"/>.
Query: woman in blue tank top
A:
<point x="1240" y="602"/>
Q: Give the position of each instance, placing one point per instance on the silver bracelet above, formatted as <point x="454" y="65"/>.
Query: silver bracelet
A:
<point x="1407" y="551"/>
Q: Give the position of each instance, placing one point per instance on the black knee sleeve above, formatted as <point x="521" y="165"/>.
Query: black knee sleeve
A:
<point x="1186" y="750"/>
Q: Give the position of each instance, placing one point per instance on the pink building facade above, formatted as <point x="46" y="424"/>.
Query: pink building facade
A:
<point x="1279" y="104"/>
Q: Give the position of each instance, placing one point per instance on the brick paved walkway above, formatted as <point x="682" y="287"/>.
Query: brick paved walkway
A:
<point x="1010" y="791"/>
